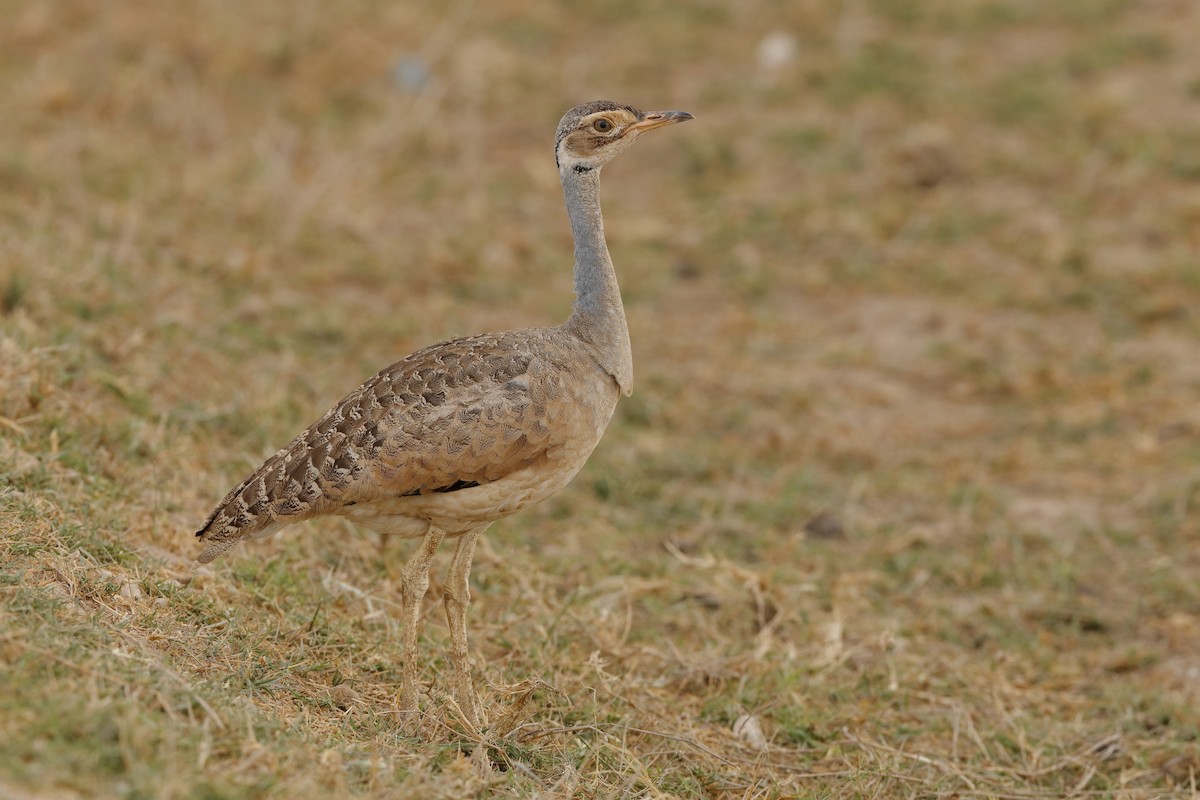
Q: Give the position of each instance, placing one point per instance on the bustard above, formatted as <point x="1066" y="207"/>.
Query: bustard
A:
<point x="453" y="437"/>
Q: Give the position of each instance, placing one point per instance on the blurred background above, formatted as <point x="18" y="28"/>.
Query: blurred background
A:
<point x="911" y="465"/>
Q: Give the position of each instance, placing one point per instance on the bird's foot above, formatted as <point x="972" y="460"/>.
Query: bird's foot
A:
<point x="412" y="720"/>
<point x="412" y="723"/>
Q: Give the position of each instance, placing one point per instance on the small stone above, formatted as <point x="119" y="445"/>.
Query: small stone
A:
<point x="411" y="73"/>
<point x="926" y="156"/>
<point x="749" y="730"/>
<point x="776" y="51"/>
<point x="825" y="526"/>
<point x="343" y="696"/>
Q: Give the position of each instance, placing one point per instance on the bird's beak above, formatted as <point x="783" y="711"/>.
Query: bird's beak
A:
<point x="657" y="119"/>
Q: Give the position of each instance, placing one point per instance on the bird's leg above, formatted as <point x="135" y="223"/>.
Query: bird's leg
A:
<point x="414" y="583"/>
<point x="456" y="592"/>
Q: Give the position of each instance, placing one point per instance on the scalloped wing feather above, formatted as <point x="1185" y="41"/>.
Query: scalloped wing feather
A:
<point x="450" y="416"/>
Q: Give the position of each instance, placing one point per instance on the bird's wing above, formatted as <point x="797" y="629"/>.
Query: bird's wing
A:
<point x="451" y="416"/>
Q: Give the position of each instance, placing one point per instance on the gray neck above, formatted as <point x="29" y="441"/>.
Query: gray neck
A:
<point x="598" y="317"/>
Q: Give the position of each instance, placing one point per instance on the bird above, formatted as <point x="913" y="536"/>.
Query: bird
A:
<point x="455" y="436"/>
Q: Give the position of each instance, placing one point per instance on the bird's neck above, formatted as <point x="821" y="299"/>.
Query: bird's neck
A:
<point x="599" y="316"/>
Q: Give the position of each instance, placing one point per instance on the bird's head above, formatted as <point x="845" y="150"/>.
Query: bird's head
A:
<point x="592" y="134"/>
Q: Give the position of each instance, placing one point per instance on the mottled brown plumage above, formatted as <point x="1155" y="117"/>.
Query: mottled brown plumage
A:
<point x="457" y="435"/>
<point x="453" y="417"/>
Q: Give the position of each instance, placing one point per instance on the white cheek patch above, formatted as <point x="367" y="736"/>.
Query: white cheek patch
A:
<point x="567" y="160"/>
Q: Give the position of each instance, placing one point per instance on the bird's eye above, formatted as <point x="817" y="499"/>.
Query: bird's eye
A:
<point x="602" y="125"/>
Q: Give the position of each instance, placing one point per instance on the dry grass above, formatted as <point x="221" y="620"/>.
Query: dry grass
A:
<point x="904" y="504"/>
